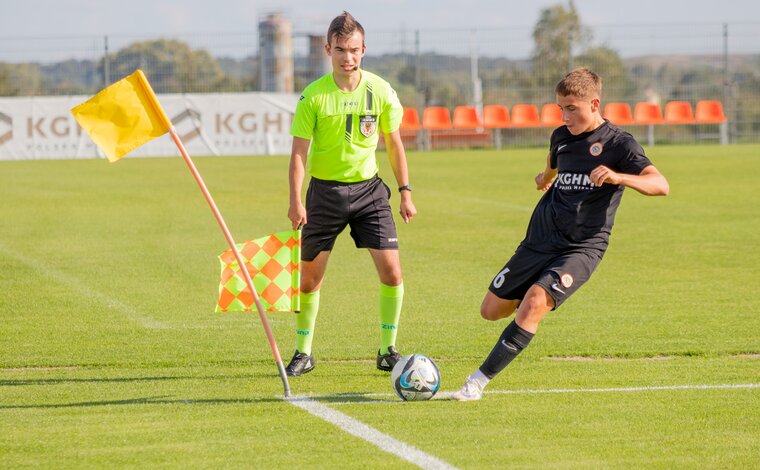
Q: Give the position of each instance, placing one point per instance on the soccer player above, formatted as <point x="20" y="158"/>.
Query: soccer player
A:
<point x="590" y="163"/>
<point x="341" y="114"/>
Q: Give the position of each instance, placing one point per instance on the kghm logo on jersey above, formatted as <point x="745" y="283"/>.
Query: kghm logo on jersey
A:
<point x="596" y="149"/>
<point x="574" y="182"/>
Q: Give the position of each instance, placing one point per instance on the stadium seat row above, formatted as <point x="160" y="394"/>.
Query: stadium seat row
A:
<point x="676" y="112"/>
<point x="527" y="115"/>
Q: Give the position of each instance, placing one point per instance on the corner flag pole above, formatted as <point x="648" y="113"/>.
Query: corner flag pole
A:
<point x="153" y="99"/>
<point x="238" y="257"/>
<point x="126" y="115"/>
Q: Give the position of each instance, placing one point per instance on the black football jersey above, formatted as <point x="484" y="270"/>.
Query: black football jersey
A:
<point x="575" y="213"/>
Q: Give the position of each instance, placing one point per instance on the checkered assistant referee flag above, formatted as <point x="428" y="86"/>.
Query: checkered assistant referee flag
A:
<point x="273" y="263"/>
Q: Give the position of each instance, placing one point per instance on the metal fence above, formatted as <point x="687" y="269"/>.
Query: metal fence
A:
<point x="655" y="62"/>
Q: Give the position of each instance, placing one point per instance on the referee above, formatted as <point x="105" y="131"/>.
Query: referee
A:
<point x="341" y="115"/>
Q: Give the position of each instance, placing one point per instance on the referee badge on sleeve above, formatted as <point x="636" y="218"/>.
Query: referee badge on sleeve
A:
<point x="368" y="124"/>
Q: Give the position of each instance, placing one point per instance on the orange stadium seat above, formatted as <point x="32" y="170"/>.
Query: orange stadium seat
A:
<point x="710" y="112"/>
<point x="551" y="115"/>
<point x="678" y="112"/>
<point x="436" y="117"/>
<point x="496" y="116"/>
<point x="647" y="113"/>
<point x="466" y="117"/>
<point x="410" y="121"/>
<point x="618" y="113"/>
<point x="525" y="115"/>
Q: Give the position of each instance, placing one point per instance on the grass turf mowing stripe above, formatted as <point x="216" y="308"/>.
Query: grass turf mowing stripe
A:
<point x="373" y="436"/>
<point x="82" y="289"/>
<point x="482" y="201"/>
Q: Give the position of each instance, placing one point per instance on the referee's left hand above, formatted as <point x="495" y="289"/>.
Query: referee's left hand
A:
<point x="407" y="207"/>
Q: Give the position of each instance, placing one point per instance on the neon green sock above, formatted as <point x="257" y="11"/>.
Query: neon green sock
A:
<point x="391" y="298"/>
<point x="305" y="321"/>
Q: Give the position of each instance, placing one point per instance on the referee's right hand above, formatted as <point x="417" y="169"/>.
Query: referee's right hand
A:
<point x="297" y="215"/>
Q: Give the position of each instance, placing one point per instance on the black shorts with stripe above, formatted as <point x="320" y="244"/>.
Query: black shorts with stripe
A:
<point x="332" y="205"/>
<point x="560" y="274"/>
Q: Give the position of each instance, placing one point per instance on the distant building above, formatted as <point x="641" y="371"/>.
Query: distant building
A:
<point x="276" y="54"/>
<point x="319" y="61"/>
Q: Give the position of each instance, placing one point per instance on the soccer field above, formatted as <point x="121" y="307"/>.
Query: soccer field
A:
<point x="111" y="355"/>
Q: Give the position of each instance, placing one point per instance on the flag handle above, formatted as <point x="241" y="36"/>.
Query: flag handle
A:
<point x="238" y="256"/>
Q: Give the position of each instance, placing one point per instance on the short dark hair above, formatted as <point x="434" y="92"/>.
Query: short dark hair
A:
<point x="344" y="25"/>
<point x="580" y="82"/>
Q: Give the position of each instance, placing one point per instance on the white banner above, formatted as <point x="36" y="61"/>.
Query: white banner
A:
<point x="209" y="124"/>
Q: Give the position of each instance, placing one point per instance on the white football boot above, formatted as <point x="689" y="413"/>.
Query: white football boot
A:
<point x="470" y="391"/>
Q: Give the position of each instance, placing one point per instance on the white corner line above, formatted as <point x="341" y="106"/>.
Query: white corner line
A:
<point x="369" y="434"/>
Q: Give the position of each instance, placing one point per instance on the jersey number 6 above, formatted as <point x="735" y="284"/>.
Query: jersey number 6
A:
<point x="498" y="281"/>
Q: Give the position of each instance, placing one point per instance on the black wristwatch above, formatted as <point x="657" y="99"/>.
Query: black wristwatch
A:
<point x="406" y="187"/>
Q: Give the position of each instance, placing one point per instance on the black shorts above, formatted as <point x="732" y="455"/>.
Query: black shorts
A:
<point x="364" y="206"/>
<point x="559" y="274"/>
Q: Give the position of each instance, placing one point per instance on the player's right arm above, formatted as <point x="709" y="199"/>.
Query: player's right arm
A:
<point x="545" y="179"/>
<point x="298" y="154"/>
<point x="302" y="130"/>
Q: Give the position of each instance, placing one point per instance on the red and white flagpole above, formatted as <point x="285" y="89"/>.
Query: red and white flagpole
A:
<point x="238" y="256"/>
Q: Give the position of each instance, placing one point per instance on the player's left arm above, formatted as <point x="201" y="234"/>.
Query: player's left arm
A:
<point x="649" y="182"/>
<point x="397" y="157"/>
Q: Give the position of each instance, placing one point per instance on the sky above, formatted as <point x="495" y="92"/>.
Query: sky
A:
<point x="34" y="27"/>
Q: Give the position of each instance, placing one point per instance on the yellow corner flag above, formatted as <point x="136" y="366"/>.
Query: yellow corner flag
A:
<point x="123" y="116"/>
<point x="127" y="115"/>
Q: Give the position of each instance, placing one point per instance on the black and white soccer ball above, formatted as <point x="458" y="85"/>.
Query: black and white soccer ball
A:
<point x="415" y="378"/>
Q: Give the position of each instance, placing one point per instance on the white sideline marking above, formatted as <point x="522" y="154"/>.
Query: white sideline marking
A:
<point x="373" y="436"/>
<point x="367" y="397"/>
<point x="627" y="389"/>
<point x="84" y="290"/>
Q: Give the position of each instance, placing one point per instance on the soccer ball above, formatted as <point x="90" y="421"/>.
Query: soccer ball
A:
<point x="415" y="377"/>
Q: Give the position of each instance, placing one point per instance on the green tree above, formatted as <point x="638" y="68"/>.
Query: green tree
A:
<point x="3" y="80"/>
<point x="743" y="108"/>
<point x="512" y="85"/>
<point x="20" y="79"/>
<point x="171" y="65"/>
<point x="617" y="84"/>
<point x="557" y="34"/>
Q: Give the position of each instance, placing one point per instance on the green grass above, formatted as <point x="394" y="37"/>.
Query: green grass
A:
<point x="111" y="356"/>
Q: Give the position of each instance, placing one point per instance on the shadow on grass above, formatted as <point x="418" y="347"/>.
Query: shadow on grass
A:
<point x="348" y="398"/>
<point x="340" y="398"/>
<point x="58" y="381"/>
<point x="157" y="400"/>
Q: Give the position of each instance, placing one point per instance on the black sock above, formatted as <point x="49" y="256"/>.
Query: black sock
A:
<point x="512" y="341"/>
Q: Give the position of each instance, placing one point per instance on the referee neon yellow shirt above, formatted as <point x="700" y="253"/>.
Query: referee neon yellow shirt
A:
<point x="344" y="126"/>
